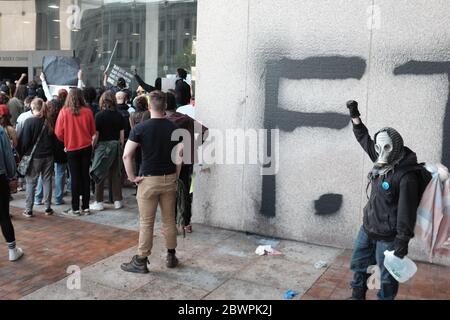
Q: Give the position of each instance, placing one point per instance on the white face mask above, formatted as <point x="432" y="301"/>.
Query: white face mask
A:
<point x="383" y="147"/>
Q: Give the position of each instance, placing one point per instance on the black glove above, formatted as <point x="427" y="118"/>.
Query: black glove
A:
<point x="352" y="106"/>
<point x="400" y="247"/>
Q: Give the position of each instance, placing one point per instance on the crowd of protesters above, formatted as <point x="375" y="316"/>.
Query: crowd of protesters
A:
<point x="82" y="137"/>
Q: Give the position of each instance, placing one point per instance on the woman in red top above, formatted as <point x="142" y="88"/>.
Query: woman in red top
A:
<point x="75" y="127"/>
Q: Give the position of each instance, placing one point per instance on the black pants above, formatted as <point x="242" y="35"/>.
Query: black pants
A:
<point x="5" y="219"/>
<point x="79" y="162"/>
<point x="185" y="177"/>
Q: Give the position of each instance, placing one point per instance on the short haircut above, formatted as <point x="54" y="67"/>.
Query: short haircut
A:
<point x="182" y="73"/>
<point x="121" y="97"/>
<point x="89" y="94"/>
<point x="141" y="104"/>
<point x="121" y="83"/>
<point x="158" y="101"/>
<point x="37" y="104"/>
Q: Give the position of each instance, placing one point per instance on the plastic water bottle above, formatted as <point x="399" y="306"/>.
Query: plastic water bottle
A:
<point x="401" y="269"/>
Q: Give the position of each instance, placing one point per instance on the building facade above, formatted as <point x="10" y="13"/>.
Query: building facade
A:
<point x="154" y="37"/>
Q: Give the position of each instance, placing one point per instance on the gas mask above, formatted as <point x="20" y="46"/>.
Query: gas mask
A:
<point x="388" y="146"/>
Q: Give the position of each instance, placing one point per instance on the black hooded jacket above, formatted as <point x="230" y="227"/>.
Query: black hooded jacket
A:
<point x="391" y="211"/>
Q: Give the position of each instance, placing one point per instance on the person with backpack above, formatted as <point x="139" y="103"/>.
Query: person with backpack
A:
<point x="184" y="197"/>
<point x="390" y="214"/>
<point x="36" y="139"/>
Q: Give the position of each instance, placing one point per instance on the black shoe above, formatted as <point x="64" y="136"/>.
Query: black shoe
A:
<point x="172" y="260"/>
<point x="49" y="212"/>
<point x="136" y="265"/>
<point x="28" y="214"/>
<point x="358" y="294"/>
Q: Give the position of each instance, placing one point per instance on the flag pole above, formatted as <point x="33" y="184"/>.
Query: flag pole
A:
<point x="112" y="55"/>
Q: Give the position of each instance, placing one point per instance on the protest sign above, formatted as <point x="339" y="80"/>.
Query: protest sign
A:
<point x="118" y="72"/>
<point x="61" y="71"/>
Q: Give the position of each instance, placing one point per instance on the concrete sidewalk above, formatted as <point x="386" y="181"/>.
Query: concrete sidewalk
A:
<point x="214" y="263"/>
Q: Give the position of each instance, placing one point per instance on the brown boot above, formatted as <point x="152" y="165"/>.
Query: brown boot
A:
<point x="136" y="265"/>
<point x="171" y="261"/>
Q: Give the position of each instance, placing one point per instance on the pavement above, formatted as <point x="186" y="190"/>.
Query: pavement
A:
<point x="79" y="258"/>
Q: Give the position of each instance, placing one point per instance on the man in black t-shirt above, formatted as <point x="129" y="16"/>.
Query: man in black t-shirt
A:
<point x="157" y="183"/>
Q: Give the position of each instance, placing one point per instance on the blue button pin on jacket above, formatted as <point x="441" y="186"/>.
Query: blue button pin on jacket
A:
<point x="385" y="185"/>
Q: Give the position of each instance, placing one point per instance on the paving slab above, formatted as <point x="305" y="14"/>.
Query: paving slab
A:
<point x="235" y="289"/>
<point x="165" y="289"/>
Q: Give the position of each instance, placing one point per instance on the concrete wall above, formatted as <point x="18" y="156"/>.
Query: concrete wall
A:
<point x="292" y="65"/>
<point x="17" y="25"/>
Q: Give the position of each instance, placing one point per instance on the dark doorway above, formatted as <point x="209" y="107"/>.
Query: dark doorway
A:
<point x="12" y="73"/>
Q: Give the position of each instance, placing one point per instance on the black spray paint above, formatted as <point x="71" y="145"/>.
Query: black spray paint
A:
<point x="328" y="204"/>
<point x="326" y="68"/>
<point x="424" y="68"/>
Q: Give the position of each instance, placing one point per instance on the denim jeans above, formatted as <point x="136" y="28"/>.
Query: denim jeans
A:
<point x="42" y="169"/>
<point x="60" y="182"/>
<point x="39" y="195"/>
<point x="368" y="252"/>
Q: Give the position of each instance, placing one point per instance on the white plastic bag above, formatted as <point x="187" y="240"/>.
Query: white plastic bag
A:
<point x="401" y="269"/>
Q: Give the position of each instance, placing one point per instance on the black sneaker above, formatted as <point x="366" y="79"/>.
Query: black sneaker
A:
<point x="28" y="214"/>
<point x="49" y="212"/>
<point x="171" y="261"/>
<point x="136" y="265"/>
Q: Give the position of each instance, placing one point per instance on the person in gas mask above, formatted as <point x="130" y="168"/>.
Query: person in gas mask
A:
<point x="390" y="214"/>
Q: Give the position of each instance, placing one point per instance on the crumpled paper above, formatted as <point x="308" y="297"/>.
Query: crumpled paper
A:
<point x="266" y="250"/>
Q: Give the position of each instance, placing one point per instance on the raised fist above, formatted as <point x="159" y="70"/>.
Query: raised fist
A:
<point x="352" y="106"/>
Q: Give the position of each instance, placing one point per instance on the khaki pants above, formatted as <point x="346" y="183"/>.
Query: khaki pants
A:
<point x="151" y="192"/>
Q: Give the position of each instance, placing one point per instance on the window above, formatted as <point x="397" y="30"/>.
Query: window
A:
<point x="137" y="28"/>
<point x="81" y="55"/>
<point x="173" y="25"/>
<point x="130" y="51"/>
<point x="105" y="29"/>
<point x="85" y="36"/>
<point x="93" y="56"/>
<point x="162" y="26"/>
<point x="138" y="48"/>
<point x="185" y="42"/>
<point x="172" y="47"/>
<point x="161" y="48"/>
<point x="119" y="28"/>
<point x="130" y="25"/>
<point x="119" y="50"/>
<point x="187" y="23"/>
